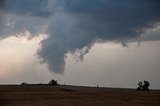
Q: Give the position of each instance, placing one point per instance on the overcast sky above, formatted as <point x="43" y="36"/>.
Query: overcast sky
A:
<point x="108" y="42"/>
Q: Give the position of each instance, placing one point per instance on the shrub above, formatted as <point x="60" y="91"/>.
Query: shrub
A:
<point x="53" y="82"/>
<point x="24" y="83"/>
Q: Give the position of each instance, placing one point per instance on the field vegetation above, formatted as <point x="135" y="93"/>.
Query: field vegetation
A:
<point x="65" y="95"/>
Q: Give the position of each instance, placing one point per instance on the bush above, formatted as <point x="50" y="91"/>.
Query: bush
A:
<point x="24" y="83"/>
<point x="53" y="82"/>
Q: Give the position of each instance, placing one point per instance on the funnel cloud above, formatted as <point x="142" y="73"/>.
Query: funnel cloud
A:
<point x="73" y="26"/>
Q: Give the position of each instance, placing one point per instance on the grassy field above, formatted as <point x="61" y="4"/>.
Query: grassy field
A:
<point x="62" y="95"/>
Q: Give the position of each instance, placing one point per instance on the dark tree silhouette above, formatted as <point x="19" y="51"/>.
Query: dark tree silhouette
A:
<point x="143" y="87"/>
<point x="24" y="83"/>
<point x="53" y="82"/>
<point x="140" y="86"/>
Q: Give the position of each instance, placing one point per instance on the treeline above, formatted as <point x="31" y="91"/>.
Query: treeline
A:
<point x="52" y="82"/>
<point x="142" y="86"/>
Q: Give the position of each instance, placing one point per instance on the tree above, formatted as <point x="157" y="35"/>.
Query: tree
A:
<point x="53" y="82"/>
<point x="143" y="87"/>
<point x="140" y="86"/>
<point x="24" y="83"/>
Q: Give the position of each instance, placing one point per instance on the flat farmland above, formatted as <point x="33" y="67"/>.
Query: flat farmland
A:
<point x="63" y="95"/>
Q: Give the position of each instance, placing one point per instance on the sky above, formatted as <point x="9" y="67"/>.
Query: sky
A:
<point x="80" y="42"/>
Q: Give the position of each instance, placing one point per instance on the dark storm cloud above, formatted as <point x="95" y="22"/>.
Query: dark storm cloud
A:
<point x="17" y="16"/>
<point x="74" y="25"/>
<point x="2" y="2"/>
<point x="26" y="7"/>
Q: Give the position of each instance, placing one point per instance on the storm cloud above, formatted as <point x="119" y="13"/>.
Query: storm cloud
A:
<point x="73" y="26"/>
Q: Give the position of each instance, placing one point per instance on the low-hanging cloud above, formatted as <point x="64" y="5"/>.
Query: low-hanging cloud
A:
<point x="75" y="25"/>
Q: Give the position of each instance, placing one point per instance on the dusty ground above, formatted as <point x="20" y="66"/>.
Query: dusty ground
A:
<point x="45" y="95"/>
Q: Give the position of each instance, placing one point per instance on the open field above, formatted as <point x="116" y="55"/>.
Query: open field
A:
<point x="62" y="95"/>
